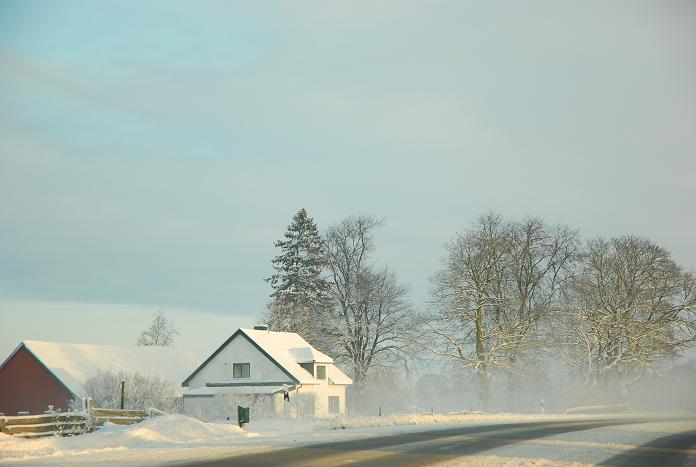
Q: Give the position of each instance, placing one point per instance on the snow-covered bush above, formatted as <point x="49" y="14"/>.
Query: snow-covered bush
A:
<point x="141" y="391"/>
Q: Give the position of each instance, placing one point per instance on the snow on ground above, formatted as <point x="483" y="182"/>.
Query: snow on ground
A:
<point x="432" y="419"/>
<point x="168" y="433"/>
<point x="176" y="438"/>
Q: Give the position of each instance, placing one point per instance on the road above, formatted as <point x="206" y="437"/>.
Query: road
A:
<point x="620" y="441"/>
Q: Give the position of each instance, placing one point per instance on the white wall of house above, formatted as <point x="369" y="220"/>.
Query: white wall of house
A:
<point x="324" y="389"/>
<point x="224" y="406"/>
<point x="239" y="350"/>
<point x="305" y="401"/>
<point x="321" y="393"/>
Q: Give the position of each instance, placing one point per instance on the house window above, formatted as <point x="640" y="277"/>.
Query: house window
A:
<point x="241" y="370"/>
<point x="321" y="372"/>
<point x="334" y="404"/>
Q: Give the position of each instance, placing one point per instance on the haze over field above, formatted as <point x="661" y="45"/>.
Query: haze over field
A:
<point x="151" y="154"/>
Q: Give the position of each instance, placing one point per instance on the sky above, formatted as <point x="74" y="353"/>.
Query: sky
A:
<point x="151" y="153"/>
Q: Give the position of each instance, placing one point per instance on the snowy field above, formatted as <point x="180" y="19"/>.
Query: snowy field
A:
<point x="173" y="439"/>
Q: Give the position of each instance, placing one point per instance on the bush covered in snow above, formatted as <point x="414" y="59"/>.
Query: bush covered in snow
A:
<point x="141" y="391"/>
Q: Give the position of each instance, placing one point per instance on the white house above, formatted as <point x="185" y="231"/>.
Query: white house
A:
<point x="258" y="368"/>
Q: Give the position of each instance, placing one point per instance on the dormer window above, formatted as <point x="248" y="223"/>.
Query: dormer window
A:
<point x="321" y="372"/>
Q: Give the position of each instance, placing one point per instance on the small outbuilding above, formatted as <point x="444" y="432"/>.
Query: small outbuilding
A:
<point x="276" y="373"/>
<point x="38" y="374"/>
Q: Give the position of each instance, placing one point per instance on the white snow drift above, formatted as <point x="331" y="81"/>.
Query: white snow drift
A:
<point x="157" y="433"/>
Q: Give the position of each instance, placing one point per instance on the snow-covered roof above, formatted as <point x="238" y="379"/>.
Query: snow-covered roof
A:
<point x="287" y="346"/>
<point x="288" y="350"/>
<point x="73" y="364"/>
<point x="336" y="376"/>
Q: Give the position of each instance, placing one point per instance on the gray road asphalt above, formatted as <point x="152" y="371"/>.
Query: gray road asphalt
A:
<point x="606" y="442"/>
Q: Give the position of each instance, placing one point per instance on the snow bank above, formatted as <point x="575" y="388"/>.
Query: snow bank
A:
<point x="339" y="423"/>
<point x="161" y="432"/>
<point x="173" y="429"/>
<point x="602" y="409"/>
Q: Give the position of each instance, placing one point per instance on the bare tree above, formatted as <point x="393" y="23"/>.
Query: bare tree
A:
<point x="497" y="283"/>
<point x="369" y="319"/>
<point x="466" y="292"/>
<point x="161" y="331"/>
<point x="629" y="308"/>
<point x="540" y="265"/>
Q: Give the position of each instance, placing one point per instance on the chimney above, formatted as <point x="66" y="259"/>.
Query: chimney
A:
<point x="261" y="327"/>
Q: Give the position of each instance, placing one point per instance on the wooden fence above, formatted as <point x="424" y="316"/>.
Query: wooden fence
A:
<point x="71" y="423"/>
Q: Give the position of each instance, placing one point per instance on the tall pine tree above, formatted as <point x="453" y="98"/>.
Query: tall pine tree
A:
<point x="299" y="291"/>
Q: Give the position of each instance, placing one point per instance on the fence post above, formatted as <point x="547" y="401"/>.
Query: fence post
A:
<point x="2" y="423"/>
<point x="90" y="422"/>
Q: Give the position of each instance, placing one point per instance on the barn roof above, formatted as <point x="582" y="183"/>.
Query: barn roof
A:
<point x="287" y="350"/>
<point x="73" y="364"/>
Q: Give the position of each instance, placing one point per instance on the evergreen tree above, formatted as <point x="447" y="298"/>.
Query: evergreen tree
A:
<point x="298" y="288"/>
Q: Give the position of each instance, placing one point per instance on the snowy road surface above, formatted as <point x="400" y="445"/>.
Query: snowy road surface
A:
<point x="623" y="441"/>
<point x="435" y="439"/>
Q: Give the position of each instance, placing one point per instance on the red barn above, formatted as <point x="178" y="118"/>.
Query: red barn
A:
<point x="39" y="374"/>
<point x="27" y="385"/>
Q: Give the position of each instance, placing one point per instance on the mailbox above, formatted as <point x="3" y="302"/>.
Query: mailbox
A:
<point x="242" y="415"/>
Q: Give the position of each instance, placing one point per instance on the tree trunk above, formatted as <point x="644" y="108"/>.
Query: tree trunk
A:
<point x="511" y="404"/>
<point x="484" y="389"/>
<point x="484" y="377"/>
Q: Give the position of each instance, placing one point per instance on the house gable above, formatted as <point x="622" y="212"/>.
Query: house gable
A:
<point x="217" y="370"/>
<point x="27" y="384"/>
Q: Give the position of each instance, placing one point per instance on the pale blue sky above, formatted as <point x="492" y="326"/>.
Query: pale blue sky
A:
<point x="152" y="152"/>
